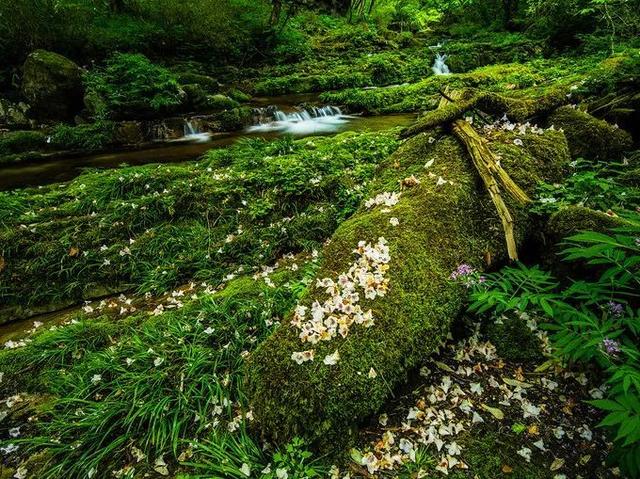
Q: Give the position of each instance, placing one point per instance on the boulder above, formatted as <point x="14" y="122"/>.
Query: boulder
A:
<point x="52" y="84"/>
<point x="129" y="133"/>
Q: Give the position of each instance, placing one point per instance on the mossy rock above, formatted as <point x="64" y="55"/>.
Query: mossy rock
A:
<point x="13" y="115"/>
<point x="590" y="137"/>
<point x="235" y="119"/>
<point x="441" y="226"/>
<point x="570" y="221"/>
<point x="573" y="219"/>
<point x="197" y="96"/>
<point x="220" y="103"/>
<point x="210" y="85"/>
<point x="52" y="84"/>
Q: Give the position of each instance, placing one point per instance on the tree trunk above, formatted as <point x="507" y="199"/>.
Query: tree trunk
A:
<point x="445" y="220"/>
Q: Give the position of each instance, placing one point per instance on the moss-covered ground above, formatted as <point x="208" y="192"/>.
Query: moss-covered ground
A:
<point x="180" y="357"/>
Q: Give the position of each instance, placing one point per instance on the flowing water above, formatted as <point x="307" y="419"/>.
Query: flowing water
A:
<point x="440" y="66"/>
<point x="303" y="122"/>
<point x="270" y="122"/>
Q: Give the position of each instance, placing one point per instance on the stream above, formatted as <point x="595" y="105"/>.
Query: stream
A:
<point x="277" y="116"/>
<point x="274" y="122"/>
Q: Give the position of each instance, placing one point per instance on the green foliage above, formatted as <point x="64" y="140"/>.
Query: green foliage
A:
<point x="130" y="85"/>
<point x="21" y="141"/>
<point x="245" y="205"/>
<point x="90" y="137"/>
<point x="593" y="184"/>
<point x="154" y="383"/>
<point x="226" y="456"/>
<point x="218" y="30"/>
<point x="591" y="321"/>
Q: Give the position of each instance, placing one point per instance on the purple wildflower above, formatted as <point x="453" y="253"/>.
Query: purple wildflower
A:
<point x="462" y="271"/>
<point x="611" y="346"/>
<point x="615" y="309"/>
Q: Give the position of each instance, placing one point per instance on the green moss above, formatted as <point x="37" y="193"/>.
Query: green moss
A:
<point x="21" y="141"/>
<point x="169" y="211"/>
<point x="487" y="453"/>
<point x="513" y="340"/>
<point x="210" y="85"/>
<point x="571" y="220"/>
<point x="440" y="228"/>
<point x="589" y="137"/>
<point x="33" y="367"/>
<point x="90" y="136"/>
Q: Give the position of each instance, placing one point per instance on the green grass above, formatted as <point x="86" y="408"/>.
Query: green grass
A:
<point x="156" y="383"/>
<point x="154" y="227"/>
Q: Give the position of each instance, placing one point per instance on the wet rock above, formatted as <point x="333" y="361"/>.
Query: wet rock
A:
<point x="53" y="85"/>
<point x="129" y="133"/>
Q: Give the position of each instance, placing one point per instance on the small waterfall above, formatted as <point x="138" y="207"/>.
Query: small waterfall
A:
<point x="192" y="133"/>
<point x="439" y="66"/>
<point x="305" y="121"/>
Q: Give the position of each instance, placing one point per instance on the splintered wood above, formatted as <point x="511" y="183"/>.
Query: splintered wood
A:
<point x="492" y="174"/>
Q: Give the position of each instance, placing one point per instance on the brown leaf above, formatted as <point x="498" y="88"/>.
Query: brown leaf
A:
<point x="74" y="251"/>
<point x="3" y="264"/>
<point x="507" y="469"/>
<point x="533" y="430"/>
<point x="519" y="375"/>
<point x="568" y="406"/>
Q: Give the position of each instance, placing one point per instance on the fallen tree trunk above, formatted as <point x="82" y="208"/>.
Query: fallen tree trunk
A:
<point x="518" y="109"/>
<point x="445" y="220"/>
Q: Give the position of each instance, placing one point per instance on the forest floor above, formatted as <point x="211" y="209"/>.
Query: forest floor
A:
<point x="177" y="273"/>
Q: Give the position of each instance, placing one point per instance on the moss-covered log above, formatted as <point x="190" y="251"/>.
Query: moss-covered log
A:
<point x="445" y="220"/>
<point x="590" y="137"/>
<point x="518" y="109"/>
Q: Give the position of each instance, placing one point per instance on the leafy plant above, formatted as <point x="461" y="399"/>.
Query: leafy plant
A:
<point x="239" y="457"/>
<point x="593" y="184"/>
<point x="591" y="321"/>
<point x="130" y="85"/>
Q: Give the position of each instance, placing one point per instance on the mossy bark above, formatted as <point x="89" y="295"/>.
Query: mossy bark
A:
<point x="590" y="137"/>
<point x="441" y="226"/>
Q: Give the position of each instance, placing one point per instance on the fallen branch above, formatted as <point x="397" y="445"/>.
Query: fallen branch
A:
<point x="490" y="171"/>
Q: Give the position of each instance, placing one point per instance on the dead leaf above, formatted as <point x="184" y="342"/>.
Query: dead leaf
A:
<point x="3" y="264"/>
<point x="74" y="251"/>
<point x="515" y="382"/>
<point x="519" y="374"/>
<point x="585" y="459"/>
<point x="495" y="412"/>
<point x="546" y="365"/>
<point x="507" y="469"/>
<point x="557" y="464"/>
<point x="533" y="430"/>
<point x="444" y="367"/>
<point x="568" y="406"/>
